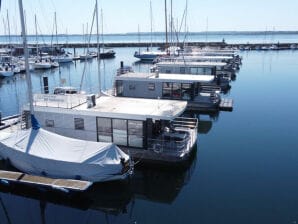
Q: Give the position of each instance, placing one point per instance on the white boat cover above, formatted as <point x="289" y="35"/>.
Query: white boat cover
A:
<point x="40" y="152"/>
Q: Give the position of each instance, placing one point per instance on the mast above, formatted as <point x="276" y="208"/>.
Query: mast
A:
<point x="98" y="50"/>
<point x="171" y="22"/>
<point x="55" y="18"/>
<point x="36" y="39"/>
<point x="166" y="23"/>
<point x="139" y="38"/>
<point x="8" y="26"/>
<point x="28" y="76"/>
<point x="102" y="40"/>
<point x="151" y="24"/>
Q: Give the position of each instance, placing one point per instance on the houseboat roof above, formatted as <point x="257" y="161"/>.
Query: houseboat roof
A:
<point x="113" y="107"/>
<point x="193" y="63"/>
<point x="199" y="57"/>
<point x="162" y="77"/>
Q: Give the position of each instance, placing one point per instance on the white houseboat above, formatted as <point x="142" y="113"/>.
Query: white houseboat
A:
<point x="217" y="69"/>
<point x="191" y="88"/>
<point x="150" y="130"/>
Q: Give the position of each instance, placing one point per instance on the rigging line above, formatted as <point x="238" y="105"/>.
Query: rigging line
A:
<point x="41" y="35"/>
<point x="84" y="69"/>
<point x="44" y="15"/>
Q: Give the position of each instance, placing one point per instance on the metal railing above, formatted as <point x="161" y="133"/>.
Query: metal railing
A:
<point x="60" y="101"/>
<point x="177" y="139"/>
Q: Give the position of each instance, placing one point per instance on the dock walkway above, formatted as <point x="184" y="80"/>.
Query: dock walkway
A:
<point x="59" y="184"/>
<point x="226" y="104"/>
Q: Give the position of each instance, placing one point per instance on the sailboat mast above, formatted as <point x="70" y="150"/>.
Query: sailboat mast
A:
<point x="8" y="26"/>
<point x="36" y="39"/>
<point x="171" y="22"/>
<point x="151" y="24"/>
<point x="102" y="40"/>
<point x="55" y="17"/>
<point x="166" y="23"/>
<point x="28" y="76"/>
<point x="98" y="50"/>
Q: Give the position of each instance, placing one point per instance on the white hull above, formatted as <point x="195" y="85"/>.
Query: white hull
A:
<point x="34" y="152"/>
<point x="6" y="73"/>
<point x="85" y="57"/>
<point x="63" y="59"/>
<point x="41" y="65"/>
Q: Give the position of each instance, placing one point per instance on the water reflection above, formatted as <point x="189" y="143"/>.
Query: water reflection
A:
<point x="104" y="203"/>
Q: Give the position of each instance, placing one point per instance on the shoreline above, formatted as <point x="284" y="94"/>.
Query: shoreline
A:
<point x="162" y="45"/>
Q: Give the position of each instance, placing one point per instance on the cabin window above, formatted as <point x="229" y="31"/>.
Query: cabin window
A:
<point x="135" y="133"/>
<point x="168" y="71"/>
<point x="50" y="123"/>
<point x="186" y="91"/>
<point x="79" y="123"/>
<point x="151" y="86"/>
<point x="193" y="70"/>
<point x="176" y="91"/>
<point x="104" y="129"/>
<point x="167" y="89"/>
<point x="119" y="131"/>
<point x="182" y="70"/>
<point x="119" y="88"/>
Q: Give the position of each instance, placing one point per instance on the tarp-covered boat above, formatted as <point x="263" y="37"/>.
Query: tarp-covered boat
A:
<point x="43" y="153"/>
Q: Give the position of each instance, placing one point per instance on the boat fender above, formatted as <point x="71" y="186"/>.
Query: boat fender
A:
<point x="4" y="182"/>
<point x="60" y="189"/>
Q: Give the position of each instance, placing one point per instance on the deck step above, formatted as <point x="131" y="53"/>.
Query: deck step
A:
<point x="60" y="184"/>
<point x="226" y="104"/>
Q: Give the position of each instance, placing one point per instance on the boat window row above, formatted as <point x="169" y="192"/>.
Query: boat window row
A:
<point x="120" y="131"/>
<point x="172" y="90"/>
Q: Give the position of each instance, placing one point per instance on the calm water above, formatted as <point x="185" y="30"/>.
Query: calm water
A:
<point x="245" y="170"/>
<point x="231" y="38"/>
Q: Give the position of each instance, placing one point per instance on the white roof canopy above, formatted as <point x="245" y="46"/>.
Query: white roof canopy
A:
<point x="165" y="77"/>
<point x="120" y="107"/>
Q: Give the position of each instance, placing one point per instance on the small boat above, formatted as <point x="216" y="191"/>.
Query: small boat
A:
<point x="63" y="58"/>
<point x="149" y="55"/>
<point x="107" y="54"/>
<point x="86" y="57"/>
<point x="39" y="152"/>
<point x="6" y="70"/>
<point x="54" y="64"/>
<point x="41" y="64"/>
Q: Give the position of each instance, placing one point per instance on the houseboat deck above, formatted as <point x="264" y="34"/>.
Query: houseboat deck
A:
<point x="110" y="106"/>
<point x="192" y="63"/>
<point x="165" y="77"/>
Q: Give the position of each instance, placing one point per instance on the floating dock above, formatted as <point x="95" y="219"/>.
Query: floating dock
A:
<point x="226" y="104"/>
<point x="66" y="185"/>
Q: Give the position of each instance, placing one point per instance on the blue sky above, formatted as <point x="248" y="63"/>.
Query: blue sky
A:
<point x="121" y="16"/>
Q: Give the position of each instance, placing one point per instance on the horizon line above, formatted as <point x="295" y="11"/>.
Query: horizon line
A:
<point x="162" y="32"/>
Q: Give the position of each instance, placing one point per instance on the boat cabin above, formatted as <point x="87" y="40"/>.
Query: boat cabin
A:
<point x="150" y="129"/>
<point x="199" y="90"/>
<point x="222" y="77"/>
<point x="195" y="68"/>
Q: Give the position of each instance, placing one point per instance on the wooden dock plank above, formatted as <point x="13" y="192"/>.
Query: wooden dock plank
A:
<point x="226" y="104"/>
<point x="69" y="184"/>
<point x="7" y="175"/>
